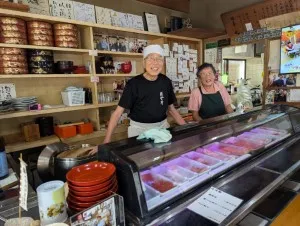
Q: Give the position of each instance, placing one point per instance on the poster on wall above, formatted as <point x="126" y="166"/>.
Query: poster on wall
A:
<point x="290" y="50"/>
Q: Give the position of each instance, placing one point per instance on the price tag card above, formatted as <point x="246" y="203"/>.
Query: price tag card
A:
<point x="93" y="52"/>
<point x="94" y="79"/>
<point x="215" y="205"/>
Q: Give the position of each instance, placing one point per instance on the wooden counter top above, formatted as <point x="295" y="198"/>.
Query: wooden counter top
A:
<point x="290" y="216"/>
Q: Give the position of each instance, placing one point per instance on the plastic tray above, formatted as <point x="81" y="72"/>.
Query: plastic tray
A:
<point x="181" y="171"/>
<point x="188" y="164"/>
<point x="215" y="154"/>
<point x="227" y="149"/>
<point x="149" y="192"/>
<point x="170" y="174"/>
<point x="266" y="139"/>
<point x="246" y="143"/>
<point x="157" y="182"/>
<point x="204" y="159"/>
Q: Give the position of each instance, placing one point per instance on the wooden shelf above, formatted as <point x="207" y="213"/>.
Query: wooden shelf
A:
<point x="26" y="145"/>
<point x="79" y="137"/>
<point x="114" y="75"/>
<point x="46" y="76"/>
<point x="120" y="53"/>
<point x="110" y="104"/>
<point x="183" y="95"/>
<point x="31" y="16"/>
<point x="68" y="50"/>
<point x="17" y="114"/>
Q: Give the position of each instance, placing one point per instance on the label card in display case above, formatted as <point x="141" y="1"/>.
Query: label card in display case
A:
<point x="215" y="205"/>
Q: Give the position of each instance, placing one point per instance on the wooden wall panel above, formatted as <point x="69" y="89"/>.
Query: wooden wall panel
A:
<point x="178" y="5"/>
<point x="234" y="21"/>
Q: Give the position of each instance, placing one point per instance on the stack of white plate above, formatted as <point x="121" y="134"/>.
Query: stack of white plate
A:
<point x="23" y="103"/>
<point x="6" y="105"/>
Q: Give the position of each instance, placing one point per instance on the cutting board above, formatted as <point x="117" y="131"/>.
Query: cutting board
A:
<point x="290" y="215"/>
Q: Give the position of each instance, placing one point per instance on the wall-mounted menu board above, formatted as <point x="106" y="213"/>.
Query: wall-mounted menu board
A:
<point x="235" y="21"/>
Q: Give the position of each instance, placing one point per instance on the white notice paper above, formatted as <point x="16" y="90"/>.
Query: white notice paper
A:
<point x="23" y="185"/>
<point x="215" y="205"/>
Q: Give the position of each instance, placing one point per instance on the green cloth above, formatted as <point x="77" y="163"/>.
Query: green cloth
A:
<point x="159" y="135"/>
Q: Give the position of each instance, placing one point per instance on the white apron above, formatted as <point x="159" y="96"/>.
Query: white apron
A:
<point x="137" y="128"/>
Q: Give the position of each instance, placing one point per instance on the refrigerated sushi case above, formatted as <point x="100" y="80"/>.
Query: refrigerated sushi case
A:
<point x="154" y="179"/>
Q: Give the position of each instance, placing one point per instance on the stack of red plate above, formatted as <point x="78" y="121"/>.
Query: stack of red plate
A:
<point x="90" y="183"/>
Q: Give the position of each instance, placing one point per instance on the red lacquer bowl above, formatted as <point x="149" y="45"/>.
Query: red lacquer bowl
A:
<point x="77" y="200"/>
<point x="90" y="174"/>
<point x="95" y="192"/>
<point x="91" y="188"/>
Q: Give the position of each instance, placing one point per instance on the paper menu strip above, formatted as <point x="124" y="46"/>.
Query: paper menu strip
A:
<point x="215" y="205"/>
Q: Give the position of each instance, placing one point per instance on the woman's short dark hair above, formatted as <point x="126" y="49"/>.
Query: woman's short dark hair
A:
<point x="206" y="65"/>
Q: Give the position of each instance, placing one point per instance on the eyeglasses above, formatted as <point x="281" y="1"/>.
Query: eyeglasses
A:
<point x="211" y="74"/>
<point x="155" y="59"/>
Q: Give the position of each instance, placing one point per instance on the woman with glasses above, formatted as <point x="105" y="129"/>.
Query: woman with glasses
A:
<point x="211" y="99"/>
<point x="148" y="97"/>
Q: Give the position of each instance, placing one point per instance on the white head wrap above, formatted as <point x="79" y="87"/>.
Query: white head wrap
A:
<point x="153" y="49"/>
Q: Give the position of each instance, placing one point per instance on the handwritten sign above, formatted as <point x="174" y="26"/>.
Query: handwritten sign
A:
<point x="23" y="185"/>
<point x="215" y="205"/>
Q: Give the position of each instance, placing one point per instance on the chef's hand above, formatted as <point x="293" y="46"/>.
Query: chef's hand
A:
<point x="93" y="151"/>
<point x="106" y="140"/>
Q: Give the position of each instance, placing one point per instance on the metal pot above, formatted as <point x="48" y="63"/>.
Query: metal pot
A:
<point x="50" y="167"/>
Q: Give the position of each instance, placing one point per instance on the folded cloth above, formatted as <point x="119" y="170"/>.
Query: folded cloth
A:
<point x="159" y="135"/>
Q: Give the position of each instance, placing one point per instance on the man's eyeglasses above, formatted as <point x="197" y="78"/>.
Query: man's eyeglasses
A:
<point x="155" y="59"/>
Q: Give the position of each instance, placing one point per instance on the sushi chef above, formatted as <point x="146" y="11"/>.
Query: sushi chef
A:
<point x="211" y="98"/>
<point x="148" y="97"/>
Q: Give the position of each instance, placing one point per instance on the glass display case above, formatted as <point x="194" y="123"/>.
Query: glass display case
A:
<point x="154" y="178"/>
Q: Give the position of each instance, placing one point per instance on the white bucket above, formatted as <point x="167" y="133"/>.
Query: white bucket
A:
<point x="52" y="203"/>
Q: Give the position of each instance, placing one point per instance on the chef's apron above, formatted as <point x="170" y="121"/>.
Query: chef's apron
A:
<point x="137" y="128"/>
<point x="212" y="105"/>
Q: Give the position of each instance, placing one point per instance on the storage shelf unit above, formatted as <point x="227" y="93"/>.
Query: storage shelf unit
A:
<point x="17" y="114"/>
<point x="47" y="87"/>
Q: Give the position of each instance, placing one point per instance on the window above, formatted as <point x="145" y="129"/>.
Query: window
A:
<point x="235" y="69"/>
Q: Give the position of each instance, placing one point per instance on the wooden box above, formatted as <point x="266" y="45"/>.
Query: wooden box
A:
<point x="31" y="131"/>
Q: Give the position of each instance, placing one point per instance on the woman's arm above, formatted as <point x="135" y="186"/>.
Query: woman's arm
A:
<point x="228" y="108"/>
<point x="196" y="116"/>
<point x="175" y="114"/>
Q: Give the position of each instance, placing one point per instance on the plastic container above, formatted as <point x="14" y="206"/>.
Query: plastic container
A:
<point x="86" y="128"/>
<point x="170" y="174"/>
<point x="204" y="159"/>
<point x="157" y="182"/>
<point x="3" y="160"/>
<point x="246" y="143"/>
<point x="266" y="139"/>
<point x="215" y="154"/>
<point x="188" y="164"/>
<point x="65" y="132"/>
<point x="227" y="149"/>
<point x="149" y="192"/>
<point x="73" y="98"/>
<point x="181" y="171"/>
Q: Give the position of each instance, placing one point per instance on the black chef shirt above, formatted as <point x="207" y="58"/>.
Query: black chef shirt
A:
<point x="148" y="101"/>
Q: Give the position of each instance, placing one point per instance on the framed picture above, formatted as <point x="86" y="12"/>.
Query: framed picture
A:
<point x="152" y="22"/>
